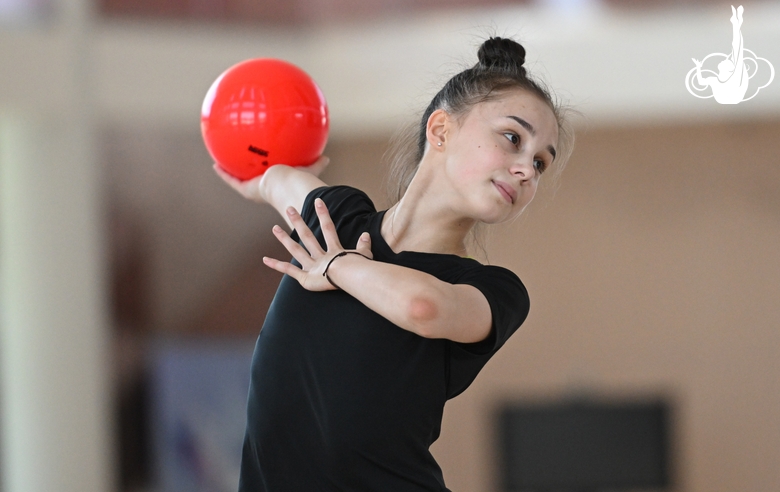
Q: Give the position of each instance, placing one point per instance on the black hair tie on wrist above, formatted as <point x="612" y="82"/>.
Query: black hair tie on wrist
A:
<point x="325" y="273"/>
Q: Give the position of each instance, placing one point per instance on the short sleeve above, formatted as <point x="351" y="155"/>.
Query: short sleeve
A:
<point x="345" y="204"/>
<point x="509" y="306"/>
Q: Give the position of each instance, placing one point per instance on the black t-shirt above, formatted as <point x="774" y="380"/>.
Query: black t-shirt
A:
<point x="340" y="398"/>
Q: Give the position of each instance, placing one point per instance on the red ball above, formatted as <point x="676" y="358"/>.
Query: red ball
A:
<point x="263" y="112"/>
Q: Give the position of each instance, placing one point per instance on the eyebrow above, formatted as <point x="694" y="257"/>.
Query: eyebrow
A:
<point x="532" y="131"/>
<point x="524" y="124"/>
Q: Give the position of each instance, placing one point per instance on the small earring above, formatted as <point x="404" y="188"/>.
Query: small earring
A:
<point x="439" y="144"/>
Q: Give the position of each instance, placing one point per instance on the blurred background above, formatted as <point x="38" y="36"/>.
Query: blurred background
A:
<point x="132" y="286"/>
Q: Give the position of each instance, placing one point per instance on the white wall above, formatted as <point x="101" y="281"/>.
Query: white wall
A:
<point x="56" y="393"/>
<point x="611" y="65"/>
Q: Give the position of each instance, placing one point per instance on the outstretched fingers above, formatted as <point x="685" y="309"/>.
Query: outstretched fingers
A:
<point x="295" y="249"/>
<point x="304" y="233"/>
<point x="328" y="227"/>
<point x="282" y="266"/>
<point x="315" y="261"/>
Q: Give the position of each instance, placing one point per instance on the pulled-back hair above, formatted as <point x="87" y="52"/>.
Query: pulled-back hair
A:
<point x="499" y="70"/>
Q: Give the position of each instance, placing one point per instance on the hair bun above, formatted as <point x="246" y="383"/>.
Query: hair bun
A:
<point x="501" y="54"/>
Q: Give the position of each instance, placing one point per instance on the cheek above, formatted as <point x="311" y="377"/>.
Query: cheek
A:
<point x="474" y="162"/>
<point x="471" y="172"/>
<point x="464" y="165"/>
<point x="481" y="157"/>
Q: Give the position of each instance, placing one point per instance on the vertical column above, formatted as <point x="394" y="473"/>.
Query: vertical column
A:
<point x="55" y="400"/>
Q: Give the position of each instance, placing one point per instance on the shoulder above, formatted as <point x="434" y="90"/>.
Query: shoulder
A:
<point x="509" y="307"/>
<point x="493" y="277"/>
<point x="336" y="195"/>
<point x="507" y="296"/>
<point x="339" y="199"/>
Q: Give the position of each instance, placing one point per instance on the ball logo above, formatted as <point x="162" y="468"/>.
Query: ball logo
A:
<point x="729" y="84"/>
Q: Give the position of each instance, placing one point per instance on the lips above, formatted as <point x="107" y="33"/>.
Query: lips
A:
<point x="506" y="191"/>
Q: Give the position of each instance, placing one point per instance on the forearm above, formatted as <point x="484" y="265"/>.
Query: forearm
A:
<point x="263" y="188"/>
<point x="410" y="299"/>
<point x="404" y="296"/>
<point x="283" y="186"/>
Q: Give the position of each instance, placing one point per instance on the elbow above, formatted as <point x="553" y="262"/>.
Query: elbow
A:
<point x="423" y="314"/>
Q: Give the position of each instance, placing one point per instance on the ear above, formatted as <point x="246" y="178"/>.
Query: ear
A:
<point x="437" y="129"/>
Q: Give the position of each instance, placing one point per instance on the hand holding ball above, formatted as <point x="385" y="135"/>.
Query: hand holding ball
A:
<point x="263" y="112"/>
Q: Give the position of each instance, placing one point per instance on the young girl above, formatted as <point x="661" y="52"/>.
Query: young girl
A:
<point x="361" y="348"/>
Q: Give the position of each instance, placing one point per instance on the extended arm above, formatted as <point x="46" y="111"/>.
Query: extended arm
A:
<point x="413" y="300"/>
<point x="281" y="186"/>
<point x="284" y="186"/>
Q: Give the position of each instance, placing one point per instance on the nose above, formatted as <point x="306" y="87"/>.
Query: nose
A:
<point x="524" y="168"/>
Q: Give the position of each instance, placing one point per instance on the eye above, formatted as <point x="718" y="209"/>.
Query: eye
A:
<point x="539" y="165"/>
<point x="513" y="137"/>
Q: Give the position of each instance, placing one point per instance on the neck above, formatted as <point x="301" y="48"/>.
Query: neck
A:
<point x="425" y="222"/>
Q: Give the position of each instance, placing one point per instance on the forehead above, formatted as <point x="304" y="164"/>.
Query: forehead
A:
<point x="524" y="104"/>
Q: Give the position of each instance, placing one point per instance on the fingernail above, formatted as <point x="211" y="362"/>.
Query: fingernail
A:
<point x="277" y="228"/>
<point x="290" y="210"/>
<point x="365" y="237"/>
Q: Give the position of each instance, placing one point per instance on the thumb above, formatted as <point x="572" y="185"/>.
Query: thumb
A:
<point x="364" y="243"/>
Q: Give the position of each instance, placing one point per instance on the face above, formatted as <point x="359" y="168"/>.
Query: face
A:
<point x="506" y="142"/>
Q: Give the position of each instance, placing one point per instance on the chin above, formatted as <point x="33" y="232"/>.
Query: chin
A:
<point x="516" y="212"/>
<point x="495" y="211"/>
<point x="494" y="216"/>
